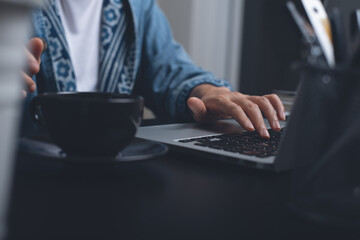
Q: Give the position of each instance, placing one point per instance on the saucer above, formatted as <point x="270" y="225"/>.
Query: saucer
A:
<point x="43" y="148"/>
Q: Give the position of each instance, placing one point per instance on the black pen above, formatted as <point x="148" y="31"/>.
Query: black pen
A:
<point x="355" y="23"/>
<point x="340" y="40"/>
<point x="316" y="55"/>
<point x="355" y="33"/>
<point x="304" y="28"/>
<point x="356" y="52"/>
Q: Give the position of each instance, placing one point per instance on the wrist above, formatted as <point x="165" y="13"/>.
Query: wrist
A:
<point x="203" y="89"/>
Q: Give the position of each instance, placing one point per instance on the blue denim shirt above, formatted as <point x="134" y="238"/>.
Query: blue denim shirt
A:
<point x="165" y="74"/>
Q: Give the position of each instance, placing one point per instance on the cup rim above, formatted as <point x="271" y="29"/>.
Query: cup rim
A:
<point x="112" y="97"/>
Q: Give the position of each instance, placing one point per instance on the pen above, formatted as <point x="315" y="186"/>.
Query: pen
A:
<point x="316" y="55"/>
<point x="356" y="52"/>
<point x="340" y="40"/>
<point x="305" y="29"/>
<point x="355" y="23"/>
<point x="355" y="34"/>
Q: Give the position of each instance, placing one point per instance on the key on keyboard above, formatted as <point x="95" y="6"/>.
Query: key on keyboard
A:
<point x="245" y="143"/>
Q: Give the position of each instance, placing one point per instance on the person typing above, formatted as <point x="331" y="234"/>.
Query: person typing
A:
<point x="126" y="46"/>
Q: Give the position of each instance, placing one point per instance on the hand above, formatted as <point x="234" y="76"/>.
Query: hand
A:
<point x="35" y="48"/>
<point x="209" y="103"/>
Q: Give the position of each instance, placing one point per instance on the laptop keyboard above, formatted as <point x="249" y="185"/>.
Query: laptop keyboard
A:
<point x="248" y="143"/>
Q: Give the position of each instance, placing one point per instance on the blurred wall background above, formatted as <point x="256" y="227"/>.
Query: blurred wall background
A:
<point x="211" y="32"/>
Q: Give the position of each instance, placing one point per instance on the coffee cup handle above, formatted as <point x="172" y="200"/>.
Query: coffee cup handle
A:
<point x="35" y="111"/>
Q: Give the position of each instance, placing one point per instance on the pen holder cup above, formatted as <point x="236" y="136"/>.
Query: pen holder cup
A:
<point x="326" y="119"/>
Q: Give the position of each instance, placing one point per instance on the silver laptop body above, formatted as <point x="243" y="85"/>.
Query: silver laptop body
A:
<point x="171" y="135"/>
<point x="283" y="160"/>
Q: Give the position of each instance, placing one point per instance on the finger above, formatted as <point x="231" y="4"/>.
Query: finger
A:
<point x="36" y="47"/>
<point x="252" y="110"/>
<point x="34" y="66"/>
<point x="278" y="105"/>
<point x="267" y="108"/>
<point x="239" y="115"/>
<point x="30" y="84"/>
<point x="198" y="108"/>
<point x="24" y="93"/>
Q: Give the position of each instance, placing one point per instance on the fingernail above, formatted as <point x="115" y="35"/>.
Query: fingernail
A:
<point x="33" y="69"/>
<point x="250" y="126"/>
<point x="276" y="125"/>
<point x="265" y="133"/>
<point x="45" y="44"/>
<point x="32" y="88"/>
<point x="284" y="116"/>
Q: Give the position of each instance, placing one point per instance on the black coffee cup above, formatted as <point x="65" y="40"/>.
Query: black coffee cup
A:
<point x="89" y="124"/>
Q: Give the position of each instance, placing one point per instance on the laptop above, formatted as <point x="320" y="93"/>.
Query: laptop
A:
<point x="226" y="140"/>
<point x="223" y="140"/>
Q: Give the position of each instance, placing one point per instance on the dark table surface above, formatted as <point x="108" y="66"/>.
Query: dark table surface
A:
<point x="176" y="196"/>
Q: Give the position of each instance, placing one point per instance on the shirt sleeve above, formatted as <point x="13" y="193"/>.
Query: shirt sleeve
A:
<point x="166" y="74"/>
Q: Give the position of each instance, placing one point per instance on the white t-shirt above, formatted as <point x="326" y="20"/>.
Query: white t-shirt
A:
<point x="81" y="20"/>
